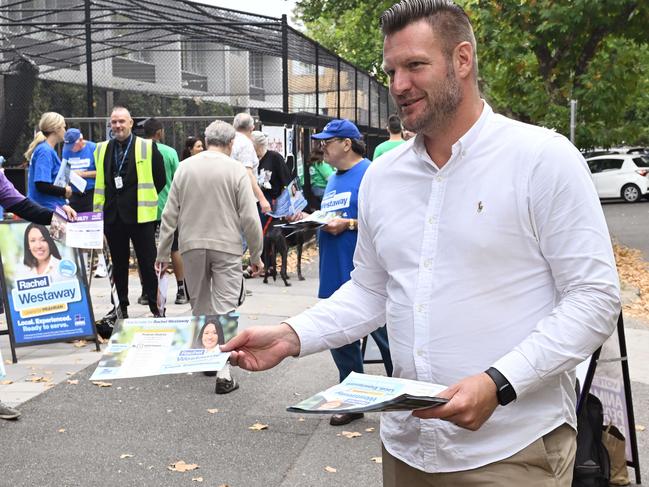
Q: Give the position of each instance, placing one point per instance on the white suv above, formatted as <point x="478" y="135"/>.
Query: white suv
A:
<point x="620" y="176"/>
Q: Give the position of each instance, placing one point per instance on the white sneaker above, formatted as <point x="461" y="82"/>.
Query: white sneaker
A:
<point x="101" y="271"/>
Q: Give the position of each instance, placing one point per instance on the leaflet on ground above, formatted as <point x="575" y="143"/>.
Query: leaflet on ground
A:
<point x="144" y="347"/>
<point x="289" y="202"/>
<point x="361" y="393"/>
<point x="86" y="232"/>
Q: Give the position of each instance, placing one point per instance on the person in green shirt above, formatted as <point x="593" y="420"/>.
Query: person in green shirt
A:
<point x="319" y="172"/>
<point x="154" y="130"/>
<point x="394" y="129"/>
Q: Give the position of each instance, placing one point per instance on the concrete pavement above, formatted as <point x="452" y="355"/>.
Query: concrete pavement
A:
<point x="81" y="435"/>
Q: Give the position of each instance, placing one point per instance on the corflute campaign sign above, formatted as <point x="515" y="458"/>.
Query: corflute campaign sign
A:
<point x="43" y="287"/>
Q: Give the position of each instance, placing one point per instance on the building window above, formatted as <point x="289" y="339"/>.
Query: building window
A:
<point x="256" y="70"/>
<point x="192" y="57"/>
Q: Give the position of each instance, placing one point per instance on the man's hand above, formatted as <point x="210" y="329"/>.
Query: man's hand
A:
<point x="300" y="215"/>
<point x="471" y="402"/>
<point x="161" y="267"/>
<point x="262" y="347"/>
<point x="69" y="212"/>
<point x="257" y="268"/>
<point x="68" y="191"/>
<point x="336" y="226"/>
<point x="264" y="205"/>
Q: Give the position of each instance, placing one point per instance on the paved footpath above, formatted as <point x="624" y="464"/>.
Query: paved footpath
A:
<point x="81" y="435"/>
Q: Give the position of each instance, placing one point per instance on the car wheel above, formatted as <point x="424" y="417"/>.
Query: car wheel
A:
<point x="631" y="193"/>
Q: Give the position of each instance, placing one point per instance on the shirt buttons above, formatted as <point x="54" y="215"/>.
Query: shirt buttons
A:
<point x="439" y="179"/>
<point x="420" y="352"/>
<point x="428" y="263"/>
<point x="420" y="308"/>
<point x="431" y="220"/>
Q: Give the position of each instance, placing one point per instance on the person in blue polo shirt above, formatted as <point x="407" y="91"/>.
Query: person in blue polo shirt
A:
<point x="78" y="154"/>
<point x="343" y="148"/>
<point x="45" y="185"/>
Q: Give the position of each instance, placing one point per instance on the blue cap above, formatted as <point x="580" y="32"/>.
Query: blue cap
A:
<point x="339" y="128"/>
<point x="71" y="137"/>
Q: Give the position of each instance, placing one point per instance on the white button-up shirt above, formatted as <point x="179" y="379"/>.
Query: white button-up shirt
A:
<point x="501" y="258"/>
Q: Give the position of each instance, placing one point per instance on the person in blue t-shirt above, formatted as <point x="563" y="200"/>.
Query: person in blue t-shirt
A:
<point x="343" y="148"/>
<point x="47" y="183"/>
<point x="78" y="155"/>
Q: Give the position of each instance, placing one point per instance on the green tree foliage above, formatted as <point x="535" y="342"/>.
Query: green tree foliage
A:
<point x="535" y="56"/>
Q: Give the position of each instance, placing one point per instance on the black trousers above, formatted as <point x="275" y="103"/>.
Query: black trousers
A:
<point x="142" y="235"/>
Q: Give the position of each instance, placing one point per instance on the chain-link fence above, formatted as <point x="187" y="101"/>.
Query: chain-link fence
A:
<point x="171" y="59"/>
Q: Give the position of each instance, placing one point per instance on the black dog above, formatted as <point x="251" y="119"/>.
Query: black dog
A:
<point x="277" y="240"/>
<point x="275" y="243"/>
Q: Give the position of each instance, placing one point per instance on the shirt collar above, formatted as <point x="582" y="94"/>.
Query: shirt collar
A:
<point x="464" y="143"/>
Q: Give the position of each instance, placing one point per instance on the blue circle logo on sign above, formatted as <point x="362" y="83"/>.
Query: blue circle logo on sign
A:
<point x="67" y="268"/>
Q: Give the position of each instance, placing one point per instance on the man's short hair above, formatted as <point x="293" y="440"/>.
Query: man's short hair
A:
<point x="219" y="133"/>
<point x="448" y="20"/>
<point x="151" y="126"/>
<point x="358" y="146"/>
<point x="394" y="124"/>
<point x="243" y="121"/>
<point x="120" y="107"/>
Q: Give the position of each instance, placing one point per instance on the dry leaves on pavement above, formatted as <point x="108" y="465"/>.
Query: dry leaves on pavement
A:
<point x="100" y="383"/>
<point x="80" y="343"/>
<point x="6" y="382"/>
<point x="181" y="466"/>
<point x="350" y="434"/>
<point x="377" y="459"/>
<point x="634" y="271"/>
<point x="38" y="378"/>
<point x="258" y="427"/>
<point x="213" y="411"/>
<point x="197" y="479"/>
<point x="369" y="430"/>
<point x="125" y="455"/>
<point x="62" y="430"/>
<point x="639" y="427"/>
<point x="330" y="469"/>
<point x="73" y="382"/>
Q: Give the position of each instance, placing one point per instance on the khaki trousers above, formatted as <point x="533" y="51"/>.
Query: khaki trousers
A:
<point x="214" y="280"/>
<point x="547" y="462"/>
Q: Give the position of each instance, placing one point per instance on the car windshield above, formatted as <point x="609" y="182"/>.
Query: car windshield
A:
<point x="642" y="161"/>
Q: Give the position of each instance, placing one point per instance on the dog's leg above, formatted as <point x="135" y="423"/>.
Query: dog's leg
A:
<point x="300" y="244"/>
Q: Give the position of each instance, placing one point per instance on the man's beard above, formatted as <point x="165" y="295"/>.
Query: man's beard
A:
<point x="441" y="106"/>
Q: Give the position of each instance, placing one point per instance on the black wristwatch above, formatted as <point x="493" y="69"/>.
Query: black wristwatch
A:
<point x="504" y="390"/>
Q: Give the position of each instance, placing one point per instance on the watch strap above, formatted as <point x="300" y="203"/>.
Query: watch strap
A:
<point x="504" y="390"/>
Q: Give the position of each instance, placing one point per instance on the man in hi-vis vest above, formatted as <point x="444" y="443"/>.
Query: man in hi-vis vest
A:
<point x="130" y="174"/>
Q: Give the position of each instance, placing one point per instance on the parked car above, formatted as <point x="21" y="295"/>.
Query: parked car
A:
<point x="620" y="176"/>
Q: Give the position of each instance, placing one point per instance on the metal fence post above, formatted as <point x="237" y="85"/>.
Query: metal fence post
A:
<point x="356" y="96"/>
<point x="338" y="87"/>
<point x="317" y="80"/>
<point x="89" y="80"/>
<point x="284" y="64"/>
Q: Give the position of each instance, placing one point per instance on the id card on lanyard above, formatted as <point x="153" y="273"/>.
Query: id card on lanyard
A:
<point x="119" y="183"/>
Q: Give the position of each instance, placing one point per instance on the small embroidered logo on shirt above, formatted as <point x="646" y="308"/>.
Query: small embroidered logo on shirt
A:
<point x="480" y="206"/>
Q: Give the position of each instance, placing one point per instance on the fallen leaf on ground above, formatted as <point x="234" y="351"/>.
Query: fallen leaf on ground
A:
<point x="253" y="317"/>
<point x="369" y="430"/>
<point x="102" y="383"/>
<point x="74" y="382"/>
<point x="6" y="382"/>
<point x="80" y="343"/>
<point x="213" y="411"/>
<point x="70" y="373"/>
<point x="377" y="459"/>
<point x="62" y="430"/>
<point x="639" y="427"/>
<point x="258" y="427"/>
<point x="38" y="378"/>
<point x="351" y="434"/>
<point x="301" y="419"/>
<point x="330" y="469"/>
<point x="197" y="479"/>
<point x="125" y="455"/>
<point x="8" y="362"/>
<point x="224" y="485"/>
<point x="181" y="466"/>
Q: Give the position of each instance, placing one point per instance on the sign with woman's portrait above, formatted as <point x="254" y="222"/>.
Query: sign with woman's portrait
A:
<point x="44" y="289"/>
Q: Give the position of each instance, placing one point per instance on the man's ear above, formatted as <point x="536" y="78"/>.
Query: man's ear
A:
<point x="463" y="59"/>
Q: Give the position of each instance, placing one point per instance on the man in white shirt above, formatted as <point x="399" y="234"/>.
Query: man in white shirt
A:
<point x="498" y="284"/>
<point x="243" y="151"/>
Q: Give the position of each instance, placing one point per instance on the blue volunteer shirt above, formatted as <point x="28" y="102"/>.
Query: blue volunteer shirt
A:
<point x="43" y="167"/>
<point x="84" y="160"/>
<point x="337" y="251"/>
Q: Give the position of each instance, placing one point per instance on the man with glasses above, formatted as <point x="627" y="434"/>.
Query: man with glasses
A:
<point x="343" y="148"/>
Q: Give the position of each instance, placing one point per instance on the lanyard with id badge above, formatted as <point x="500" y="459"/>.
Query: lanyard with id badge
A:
<point x="119" y="183"/>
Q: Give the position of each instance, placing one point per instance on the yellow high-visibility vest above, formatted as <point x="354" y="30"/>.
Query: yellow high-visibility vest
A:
<point x="147" y="196"/>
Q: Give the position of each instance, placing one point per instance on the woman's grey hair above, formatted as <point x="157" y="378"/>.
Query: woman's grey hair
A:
<point x="259" y="139"/>
<point x="449" y="22"/>
<point x="243" y="121"/>
<point x="219" y="133"/>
